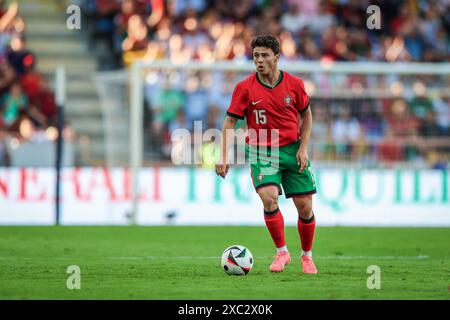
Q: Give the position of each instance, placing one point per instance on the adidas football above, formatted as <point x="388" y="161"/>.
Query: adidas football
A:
<point x="237" y="260"/>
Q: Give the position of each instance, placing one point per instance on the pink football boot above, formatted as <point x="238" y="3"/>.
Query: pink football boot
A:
<point x="281" y="259"/>
<point x="308" y="265"/>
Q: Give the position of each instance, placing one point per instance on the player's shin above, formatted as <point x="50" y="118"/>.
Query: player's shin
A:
<point x="275" y="224"/>
<point x="306" y="229"/>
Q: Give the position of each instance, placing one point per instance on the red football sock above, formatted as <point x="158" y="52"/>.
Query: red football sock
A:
<point x="275" y="223"/>
<point x="306" y="230"/>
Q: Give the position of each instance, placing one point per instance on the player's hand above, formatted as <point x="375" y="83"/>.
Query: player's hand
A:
<point x="302" y="158"/>
<point x="222" y="169"/>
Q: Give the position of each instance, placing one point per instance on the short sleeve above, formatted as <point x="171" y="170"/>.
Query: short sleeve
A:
<point x="239" y="102"/>
<point x="302" y="98"/>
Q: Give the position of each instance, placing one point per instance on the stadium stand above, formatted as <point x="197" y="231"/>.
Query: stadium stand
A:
<point x="407" y="128"/>
<point x="30" y="52"/>
<point x="116" y="32"/>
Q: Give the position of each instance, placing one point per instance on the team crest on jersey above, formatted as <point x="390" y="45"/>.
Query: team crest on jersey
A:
<point x="260" y="177"/>
<point x="287" y="100"/>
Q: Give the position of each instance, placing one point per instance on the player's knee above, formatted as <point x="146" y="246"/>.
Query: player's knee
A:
<point x="269" y="198"/>
<point x="304" y="210"/>
<point x="270" y="202"/>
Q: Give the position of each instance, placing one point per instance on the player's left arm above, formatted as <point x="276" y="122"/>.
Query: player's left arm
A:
<point x="305" y="133"/>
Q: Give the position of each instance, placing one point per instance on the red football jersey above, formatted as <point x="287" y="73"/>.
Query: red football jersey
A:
<point x="272" y="113"/>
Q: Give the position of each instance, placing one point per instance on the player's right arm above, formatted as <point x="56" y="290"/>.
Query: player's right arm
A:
<point x="227" y="137"/>
<point x="237" y="109"/>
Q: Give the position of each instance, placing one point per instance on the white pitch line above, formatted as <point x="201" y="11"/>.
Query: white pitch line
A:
<point x="420" y="257"/>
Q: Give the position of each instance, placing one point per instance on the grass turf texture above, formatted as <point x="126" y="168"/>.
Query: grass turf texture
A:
<point x="184" y="263"/>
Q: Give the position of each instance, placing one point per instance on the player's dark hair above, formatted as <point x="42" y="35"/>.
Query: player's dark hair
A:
<point x="266" y="41"/>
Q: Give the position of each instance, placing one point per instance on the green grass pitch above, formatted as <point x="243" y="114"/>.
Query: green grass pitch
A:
<point x="184" y="263"/>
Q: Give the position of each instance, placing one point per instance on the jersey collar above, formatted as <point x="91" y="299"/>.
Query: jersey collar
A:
<point x="280" y="78"/>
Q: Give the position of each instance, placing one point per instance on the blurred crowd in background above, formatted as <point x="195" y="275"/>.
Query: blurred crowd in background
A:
<point x="27" y="106"/>
<point x="400" y="126"/>
<point x="409" y="121"/>
<point x="403" y="124"/>
<point x="211" y="30"/>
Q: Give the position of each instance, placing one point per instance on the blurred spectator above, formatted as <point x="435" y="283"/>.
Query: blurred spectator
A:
<point x="439" y="160"/>
<point x="372" y="123"/>
<point x="321" y="135"/>
<point x="7" y="15"/>
<point x="19" y="57"/>
<point x="239" y="11"/>
<point x="323" y="20"/>
<point x="420" y="106"/>
<point x="400" y="120"/>
<point x="346" y="131"/>
<point x="353" y="14"/>
<point x="31" y="82"/>
<point x="405" y="127"/>
<point x="390" y="148"/>
<point x="428" y="127"/>
<point x="178" y="123"/>
<point x="45" y="103"/>
<point x="166" y="104"/>
<point x="196" y="104"/>
<point x="7" y="76"/>
<point x="180" y="6"/>
<point x="212" y="118"/>
<point x="12" y="103"/>
<point x="128" y="9"/>
<point x="136" y="38"/>
<point x="221" y="89"/>
<point x="442" y="109"/>
<point x="103" y="32"/>
<point x="430" y="25"/>
<point x="308" y="7"/>
<point x="293" y="21"/>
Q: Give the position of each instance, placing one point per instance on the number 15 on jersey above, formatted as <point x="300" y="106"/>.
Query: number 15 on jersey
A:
<point x="260" y="116"/>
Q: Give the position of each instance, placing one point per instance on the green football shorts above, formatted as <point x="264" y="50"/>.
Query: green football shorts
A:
<point x="270" y="166"/>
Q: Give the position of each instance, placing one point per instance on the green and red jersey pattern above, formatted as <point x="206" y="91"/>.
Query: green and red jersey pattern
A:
<point x="267" y="108"/>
